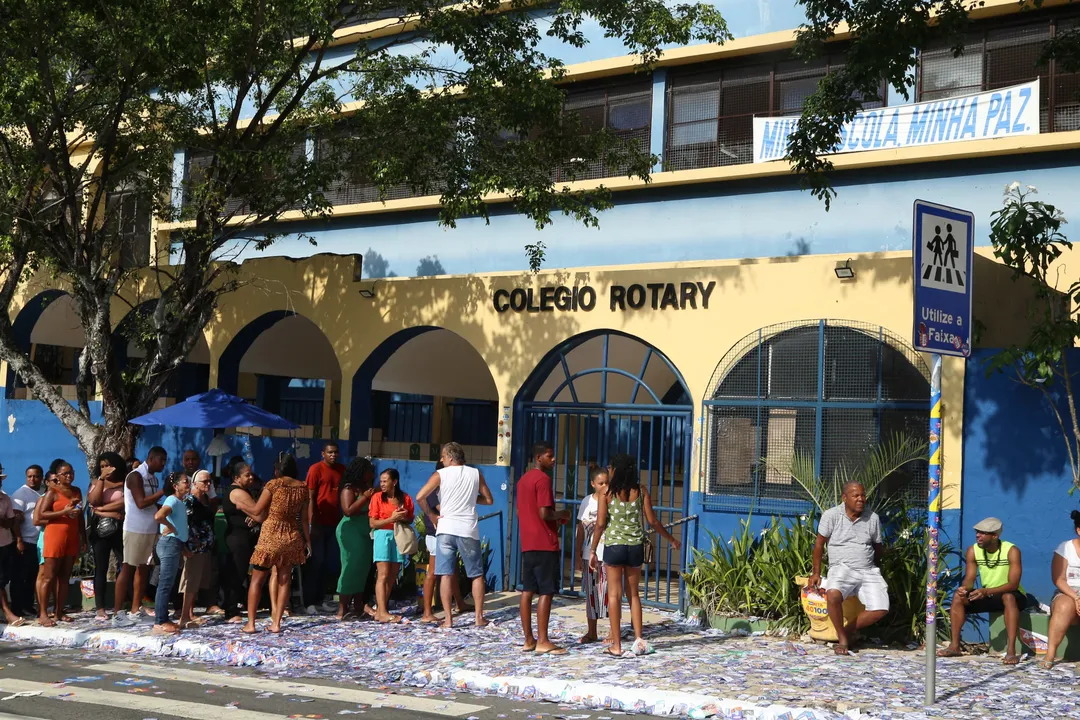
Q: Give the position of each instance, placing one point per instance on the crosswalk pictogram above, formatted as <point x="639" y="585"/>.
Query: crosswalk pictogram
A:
<point x="940" y="268"/>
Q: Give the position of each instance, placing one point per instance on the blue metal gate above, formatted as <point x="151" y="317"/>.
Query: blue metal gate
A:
<point x="585" y="435"/>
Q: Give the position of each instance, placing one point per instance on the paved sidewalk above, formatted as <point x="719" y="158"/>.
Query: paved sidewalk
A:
<point x="692" y="673"/>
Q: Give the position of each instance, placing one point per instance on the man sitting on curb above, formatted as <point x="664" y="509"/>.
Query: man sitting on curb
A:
<point x="999" y="570"/>
<point x="854" y="539"/>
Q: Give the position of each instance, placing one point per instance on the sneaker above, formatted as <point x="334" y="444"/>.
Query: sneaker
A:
<point x="310" y="610"/>
<point x="122" y="619"/>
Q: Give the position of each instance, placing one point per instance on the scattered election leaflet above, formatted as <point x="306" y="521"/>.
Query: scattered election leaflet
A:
<point x="999" y="113"/>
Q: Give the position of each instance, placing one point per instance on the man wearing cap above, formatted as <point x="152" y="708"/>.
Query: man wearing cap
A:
<point x="853" y="537"/>
<point x="999" y="570"/>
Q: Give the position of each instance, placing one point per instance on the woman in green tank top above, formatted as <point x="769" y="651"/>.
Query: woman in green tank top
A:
<point x="619" y="521"/>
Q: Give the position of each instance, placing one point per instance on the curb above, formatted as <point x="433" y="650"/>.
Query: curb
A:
<point x="595" y="696"/>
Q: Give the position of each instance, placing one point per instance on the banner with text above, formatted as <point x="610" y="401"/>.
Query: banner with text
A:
<point x="998" y="113"/>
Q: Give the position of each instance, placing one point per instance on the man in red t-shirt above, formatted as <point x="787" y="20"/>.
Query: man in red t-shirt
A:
<point x="540" y="559"/>
<point x="324" y="512"/>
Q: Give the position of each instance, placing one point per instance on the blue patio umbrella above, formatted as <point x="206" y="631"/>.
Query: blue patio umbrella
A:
<point x="215" y="410"/>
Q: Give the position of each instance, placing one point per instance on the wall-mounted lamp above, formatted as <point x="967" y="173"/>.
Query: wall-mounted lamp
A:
<point x="368" y="292"/>
<point x="845" y="271"/>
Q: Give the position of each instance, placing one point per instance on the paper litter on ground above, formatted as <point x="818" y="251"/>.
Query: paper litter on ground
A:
<point x="693" y="673"/>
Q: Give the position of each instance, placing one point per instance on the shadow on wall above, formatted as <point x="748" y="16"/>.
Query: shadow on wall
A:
<point x="519" y="340"/>
<point x="1016" y="467"/>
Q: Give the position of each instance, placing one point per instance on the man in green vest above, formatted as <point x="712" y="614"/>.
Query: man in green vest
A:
<point x="999" y="570"/>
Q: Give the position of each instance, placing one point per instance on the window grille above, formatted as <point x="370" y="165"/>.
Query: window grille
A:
<point x="129" y="214"/>
<point x="825" y="388"/>
<point x="195" y="168"/>
<point x="624" y="110"/>
<point x="1001" y="55"/>
<point x="353" y="187"/>
<point x="711" y="112"/>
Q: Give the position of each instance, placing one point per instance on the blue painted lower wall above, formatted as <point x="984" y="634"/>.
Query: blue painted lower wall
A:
<point x="495" y="519"/>
<point x="35" y="436"/>
<point x="1016" y="467"/>
<point x="32" y="435"/>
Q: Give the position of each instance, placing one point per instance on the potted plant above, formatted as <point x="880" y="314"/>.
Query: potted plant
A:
<point x="881" y="462"/>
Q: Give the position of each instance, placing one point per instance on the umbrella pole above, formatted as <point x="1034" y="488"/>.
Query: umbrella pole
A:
<point x="217" y="458"/>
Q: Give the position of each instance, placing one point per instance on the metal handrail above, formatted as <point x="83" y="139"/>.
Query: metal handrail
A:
<point x="686" y="519"/>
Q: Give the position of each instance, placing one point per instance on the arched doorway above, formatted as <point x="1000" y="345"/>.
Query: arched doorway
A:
<point x="829" y="389"/>
<point x="422" y="387"/>
<point x="48" y="330"/>
<point x="603" y="393"/>
<point x="284" y="363"/>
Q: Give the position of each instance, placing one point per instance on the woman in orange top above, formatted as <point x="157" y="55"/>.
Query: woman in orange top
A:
<point x="65" y="538"/>
<point x="385" y="509"/>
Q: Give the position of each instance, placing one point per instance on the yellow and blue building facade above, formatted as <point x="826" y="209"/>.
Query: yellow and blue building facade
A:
<point x="703" y="327"/>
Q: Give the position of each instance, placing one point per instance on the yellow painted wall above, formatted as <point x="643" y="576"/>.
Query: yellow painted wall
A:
<point x="749" y="294"/>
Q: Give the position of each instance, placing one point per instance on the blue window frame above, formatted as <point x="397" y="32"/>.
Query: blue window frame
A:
<point x="829" y="388"/>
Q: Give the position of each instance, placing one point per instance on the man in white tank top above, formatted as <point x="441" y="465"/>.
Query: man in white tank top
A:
<point x="461" y="488"/>
<point x="142" y="490"/>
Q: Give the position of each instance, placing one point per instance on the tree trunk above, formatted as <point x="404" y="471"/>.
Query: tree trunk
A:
<point x="117" y="437"/>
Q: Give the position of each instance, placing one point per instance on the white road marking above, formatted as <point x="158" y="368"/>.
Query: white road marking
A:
<point x="143" y="702"/>
<point x="323" y="692"/>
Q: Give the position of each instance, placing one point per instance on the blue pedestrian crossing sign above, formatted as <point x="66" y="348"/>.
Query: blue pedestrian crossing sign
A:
<point x="943" y="252"/>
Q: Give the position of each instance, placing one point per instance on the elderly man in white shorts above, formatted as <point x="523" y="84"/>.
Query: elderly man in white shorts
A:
<point x="854" y="539"/>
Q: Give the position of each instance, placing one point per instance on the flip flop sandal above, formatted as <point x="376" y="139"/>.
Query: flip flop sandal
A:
<point x="841" y="650"/>
<point x="1011" y="660"/>
<point x="553" y="651"/>
<point x="17" y="623"/>
<point x="948" y="653"/>
<point x="618" y="656"/>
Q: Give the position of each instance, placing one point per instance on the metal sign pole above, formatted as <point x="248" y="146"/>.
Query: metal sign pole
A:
<point x="943" y="240"/>
<point x="933" y="525"/>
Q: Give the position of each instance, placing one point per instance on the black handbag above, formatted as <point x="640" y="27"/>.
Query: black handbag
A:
<point x="106" y="526"/>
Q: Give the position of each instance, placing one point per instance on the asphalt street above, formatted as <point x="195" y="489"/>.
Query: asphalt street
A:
<point x="59" y="684"/>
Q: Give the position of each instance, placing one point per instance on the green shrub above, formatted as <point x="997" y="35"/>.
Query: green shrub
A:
<point x="753" y="574"/>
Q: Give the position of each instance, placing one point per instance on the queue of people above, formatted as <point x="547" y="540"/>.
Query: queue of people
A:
<point x="336" y="524"/>
<point x="273" y="528"/>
